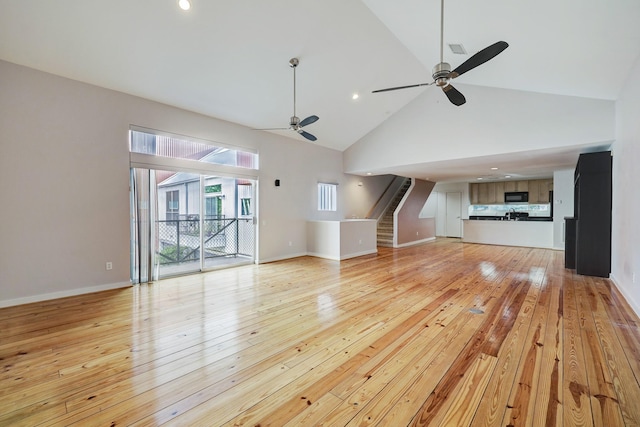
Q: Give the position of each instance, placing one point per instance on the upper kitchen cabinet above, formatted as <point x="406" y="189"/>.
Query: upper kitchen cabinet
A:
<point x="490" y="193"/>
<point x="474" y="193"/>
<point x="511" y="186"/>
<point x="539" y="190"/>
<point x="499" y="192"/>
<point x="534" y="186"/>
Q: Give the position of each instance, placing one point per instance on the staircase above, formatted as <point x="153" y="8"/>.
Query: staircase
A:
<point x="385" y="225"/>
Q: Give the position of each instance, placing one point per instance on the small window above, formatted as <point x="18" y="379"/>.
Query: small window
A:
<point x="177" y="148"/>
<point x="327" y="196"/>
<point x="173" y="205"/>
<point x="245" y="207"/>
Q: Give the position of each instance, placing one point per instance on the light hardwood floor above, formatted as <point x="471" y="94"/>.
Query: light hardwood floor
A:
<point x="442" y="334"/>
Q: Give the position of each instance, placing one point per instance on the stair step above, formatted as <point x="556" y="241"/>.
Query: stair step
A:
<point x="385" y="225"/>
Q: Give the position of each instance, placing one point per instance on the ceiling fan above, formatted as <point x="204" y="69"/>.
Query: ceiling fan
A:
<point x="442" y="74"/>
<point x="295" y="124"/>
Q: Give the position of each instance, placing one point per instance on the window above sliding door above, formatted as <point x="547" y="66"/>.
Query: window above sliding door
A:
<point x="183" y="148"/>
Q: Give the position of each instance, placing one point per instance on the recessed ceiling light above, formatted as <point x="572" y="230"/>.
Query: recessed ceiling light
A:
<point x="184" y="4"/>
<point x="507" y="176"/>
<point x="494" y="169"/>
<point x="355" y="96"/>
<point x="479" y="179"/>
<point x="368" y="173"/>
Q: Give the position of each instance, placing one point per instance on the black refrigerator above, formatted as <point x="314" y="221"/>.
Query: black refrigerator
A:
<point x="588" y="232"/>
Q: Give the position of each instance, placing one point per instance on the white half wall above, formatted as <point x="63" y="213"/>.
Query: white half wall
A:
<point x="338" y="240"/>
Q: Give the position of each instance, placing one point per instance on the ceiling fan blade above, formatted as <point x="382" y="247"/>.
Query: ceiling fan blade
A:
<point x="307" y="135"/>
<point x="479" y="58"/>
<point x="454" y="95"/>
<point x="402" y="87"/>
<point x="309" y="120"/>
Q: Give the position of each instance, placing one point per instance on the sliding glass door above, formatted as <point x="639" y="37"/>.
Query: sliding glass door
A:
<point x="186" y="222"/>
<point x="184" y="218"/>
<point x="178" y="225"/>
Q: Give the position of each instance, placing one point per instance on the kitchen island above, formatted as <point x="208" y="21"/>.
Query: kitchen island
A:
<point x="535" y="234"/>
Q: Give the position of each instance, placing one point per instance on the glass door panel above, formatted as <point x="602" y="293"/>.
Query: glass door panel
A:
<point x="229" y="233"/>
<point x="178" y="224"/>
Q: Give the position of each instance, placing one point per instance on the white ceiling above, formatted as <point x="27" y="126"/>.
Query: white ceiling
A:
<point x="229" y="58"/>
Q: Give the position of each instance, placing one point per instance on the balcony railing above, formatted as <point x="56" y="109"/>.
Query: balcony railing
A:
<point x="222" y="237"/>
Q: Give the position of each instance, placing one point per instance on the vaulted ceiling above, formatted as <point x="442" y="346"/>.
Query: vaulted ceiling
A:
<point x="230" y="58"/>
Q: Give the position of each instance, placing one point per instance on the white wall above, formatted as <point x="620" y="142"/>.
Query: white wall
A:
<point x="562" y="204"/>
<point x="437" y="203"/>
<point x="625" y="268"/>
<point x="493" y="121"/>
<point x="64" y="183"/>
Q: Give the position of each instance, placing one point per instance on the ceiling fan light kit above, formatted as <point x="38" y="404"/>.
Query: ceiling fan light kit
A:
<point x="442" y="74"/>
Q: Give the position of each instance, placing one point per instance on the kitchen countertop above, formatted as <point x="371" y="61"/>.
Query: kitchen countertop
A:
<point x="502" y="218"/>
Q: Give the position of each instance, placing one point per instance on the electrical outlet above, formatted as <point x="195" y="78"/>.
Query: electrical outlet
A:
<point x="290" y="243"/>
<point x="360" y="241"/>
<point x="109" y="265"/>
<point x="417" y="233"/>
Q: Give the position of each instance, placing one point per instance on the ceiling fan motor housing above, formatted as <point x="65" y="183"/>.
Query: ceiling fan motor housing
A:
<point x="440" y="74"/>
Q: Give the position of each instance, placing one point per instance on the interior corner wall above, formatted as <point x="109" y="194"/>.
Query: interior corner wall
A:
<point x="361" y="193"/>
<point x="625" y="266"/>
<point x="64" y="182"/>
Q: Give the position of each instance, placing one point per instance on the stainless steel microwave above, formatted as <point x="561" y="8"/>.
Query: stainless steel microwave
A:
<point x="516" y="197"/>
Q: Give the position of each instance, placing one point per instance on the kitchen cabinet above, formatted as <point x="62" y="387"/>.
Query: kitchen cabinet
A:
<point x="533" y="186"/>
<point x="509" y="186"/>
<point x="499" y="192"/>
<point x="490" y="193"/>
<point x="539" y="190"/>
<point x="474" y="196"/>
<point x="483" y="194"/>
<point x="546" y="188"/>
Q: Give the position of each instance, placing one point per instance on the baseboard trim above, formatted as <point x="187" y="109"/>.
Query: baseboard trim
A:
<point x="626" y="296"/>
<point x="357" y="254"/>
<point x="415" y="242"/>
<point x="281" y="258"/>
<point x="343" y="257"/>
<point x="62" y="294"/>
